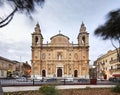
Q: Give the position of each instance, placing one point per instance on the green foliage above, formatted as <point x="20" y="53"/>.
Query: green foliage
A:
<point x="87" y="88"/>
<point x="14" y="93"/>
<point x="116" y="88"/>
<point x="111" y="29"/>
<point x="48" y="90"/>
<point x="22" y="6"/>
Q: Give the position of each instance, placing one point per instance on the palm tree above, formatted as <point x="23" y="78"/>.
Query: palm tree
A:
<point x="111" y="29"/>
<point x="22" y="6"/>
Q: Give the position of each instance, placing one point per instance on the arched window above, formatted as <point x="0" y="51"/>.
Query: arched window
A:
<point x="83" y="40"/>
<point x="59" y="56"/>
<point x="36" y="39"/>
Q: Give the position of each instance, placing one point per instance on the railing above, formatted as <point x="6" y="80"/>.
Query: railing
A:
<point x="113" y="61"/>
<point x="14" y="82"/>
<point x="62" y="45"/>
<point x="114" y="70"/>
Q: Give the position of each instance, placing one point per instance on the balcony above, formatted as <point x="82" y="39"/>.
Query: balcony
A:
<point x="113" y="61"/>
<point x="115" y="70"/>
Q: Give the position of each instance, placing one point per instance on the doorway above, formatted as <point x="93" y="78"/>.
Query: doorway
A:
<point x="75" y="73"/>
<point x="59" y="72"/>
<point x="43" y="73"/>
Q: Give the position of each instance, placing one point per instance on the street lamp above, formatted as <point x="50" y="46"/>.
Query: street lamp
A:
<point x="93" y="71"/>
<point x="93" y="80"/>
<point x="20" y="64"/>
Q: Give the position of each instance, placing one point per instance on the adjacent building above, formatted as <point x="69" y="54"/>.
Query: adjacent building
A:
<point x="60" y="58"/>
<point x="108" y="65"/>
<point x="24" y="69"/>
<point x="6" y="67"/>
<point x="11" y="68"/>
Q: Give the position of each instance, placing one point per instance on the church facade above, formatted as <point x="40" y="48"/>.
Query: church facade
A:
<point x="60" y="58"/>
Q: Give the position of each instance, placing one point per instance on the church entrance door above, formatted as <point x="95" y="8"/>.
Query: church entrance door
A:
<point x="59" y="72"/>
<point x="43" y="73"/>
<point x="75" y="73"/>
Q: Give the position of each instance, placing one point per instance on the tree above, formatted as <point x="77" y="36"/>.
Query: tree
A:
<point x="49" y="90"/>
<point x="111" y="29"/>
<point x="22" y="6"/>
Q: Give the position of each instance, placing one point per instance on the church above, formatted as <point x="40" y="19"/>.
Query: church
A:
<point x="59" y="58"/>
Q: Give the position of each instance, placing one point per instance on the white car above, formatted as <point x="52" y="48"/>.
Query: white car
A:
<point x="21" y="79"/>
<point x="68" y="79"/>
<point x="37" y="79"/>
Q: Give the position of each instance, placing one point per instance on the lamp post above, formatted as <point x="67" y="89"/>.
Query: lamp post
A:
<point x="20" y="67"/>
<point x="93" y="71"/>
<point x="93" y="80"/>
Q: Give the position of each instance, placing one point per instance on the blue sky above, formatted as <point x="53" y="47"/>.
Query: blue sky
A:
<point x="64" y="15"/>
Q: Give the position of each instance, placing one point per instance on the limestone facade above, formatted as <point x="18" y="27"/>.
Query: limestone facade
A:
<point x="107" y="65"/>
<point x="6" y="67"/>
<point x="12" y="68"/>
<point x="60" y="58"/>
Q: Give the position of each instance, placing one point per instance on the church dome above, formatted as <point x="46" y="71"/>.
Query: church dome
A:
<point x="60" y="40"/>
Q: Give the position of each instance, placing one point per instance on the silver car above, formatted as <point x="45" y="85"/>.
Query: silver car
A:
<point x="21" y="79"/>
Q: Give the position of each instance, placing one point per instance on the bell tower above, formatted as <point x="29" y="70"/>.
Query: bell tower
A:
<point x="37" y="42"/>
<point x="83" y="36"/>
<point x="37" y="38"/>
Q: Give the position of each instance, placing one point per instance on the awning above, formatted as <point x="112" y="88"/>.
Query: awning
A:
<point x="116" y="75"/>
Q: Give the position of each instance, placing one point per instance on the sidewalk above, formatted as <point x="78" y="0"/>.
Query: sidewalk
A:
<point x="27" y="88"/>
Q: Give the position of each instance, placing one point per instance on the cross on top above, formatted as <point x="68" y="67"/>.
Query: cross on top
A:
<point x="59" y="31"/>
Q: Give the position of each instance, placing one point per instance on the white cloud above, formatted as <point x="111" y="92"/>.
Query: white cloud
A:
<point x="64" y="15"/>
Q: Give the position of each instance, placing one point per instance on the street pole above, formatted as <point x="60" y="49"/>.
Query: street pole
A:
<point x="20" y="66"/>
<point x="93" y="71"/>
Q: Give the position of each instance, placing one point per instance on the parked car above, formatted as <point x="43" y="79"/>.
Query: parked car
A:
<point x="98" y="79"/>
<point x="114" y="79"/>
<point x="40" y="79"/>
<point x="21" y="79"/>
<point x="15" y="76"/>
<point x="111" y="79"/>
<point x="68" y="79"/>
<point x="82" y="80"/>
<point x="51" y="80"/>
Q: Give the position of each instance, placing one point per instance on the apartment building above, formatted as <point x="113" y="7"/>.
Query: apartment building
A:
<point x="108" y="65"/>
<point x="10" y="68"/>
